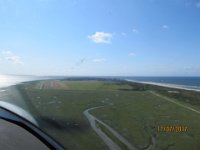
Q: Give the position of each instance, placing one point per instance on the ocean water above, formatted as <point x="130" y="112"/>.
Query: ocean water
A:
<point x="185" y="82"/>
<point x="8" y="80"/>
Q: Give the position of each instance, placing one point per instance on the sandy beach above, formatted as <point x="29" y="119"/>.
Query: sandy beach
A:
<point x="182" y="87"/>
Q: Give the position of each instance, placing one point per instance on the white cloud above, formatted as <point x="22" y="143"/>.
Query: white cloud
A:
<point x="165" y="26"/>
<point x="15" y="59"/>
<point x="99" y="60"/>
<point x="131" y="54"/>
<point x="10" y="56"/>
<point x="101" y="37"/>
<point x="7" y="53"/>
<point x="135" y="31"/>
<point x="198" y="4"/>
<point x="123" y="33"/>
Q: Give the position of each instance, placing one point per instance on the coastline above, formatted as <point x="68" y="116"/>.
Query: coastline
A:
<point x="174" y="86"/>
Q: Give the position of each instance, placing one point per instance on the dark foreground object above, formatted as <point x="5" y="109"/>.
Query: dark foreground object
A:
<point x="19" y="134"/>
<point x="13" y="137"/>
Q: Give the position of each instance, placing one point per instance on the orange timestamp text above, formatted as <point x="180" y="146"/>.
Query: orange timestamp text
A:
<point x="172" y="128"/>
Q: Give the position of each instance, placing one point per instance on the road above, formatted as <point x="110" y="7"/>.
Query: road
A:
<point x="109" y="142"/>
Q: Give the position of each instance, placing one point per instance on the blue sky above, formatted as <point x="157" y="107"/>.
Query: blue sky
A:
<point x="100" y="37"/>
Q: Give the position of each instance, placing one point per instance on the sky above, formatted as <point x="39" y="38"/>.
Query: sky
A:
<point x="100" y="37"/>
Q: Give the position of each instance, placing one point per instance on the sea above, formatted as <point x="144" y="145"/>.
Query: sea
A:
<point x="8" y="80"/>
<point x="192" y="83"/>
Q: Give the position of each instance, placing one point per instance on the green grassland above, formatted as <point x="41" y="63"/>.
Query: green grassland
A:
<point x="131" y="109"/>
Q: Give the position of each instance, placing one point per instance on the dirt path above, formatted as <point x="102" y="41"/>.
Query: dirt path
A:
<point x="117" y="135"/>
<point x="112" y="145"/>
<point x="177" y="103"/>
<point x="109" y="142"/>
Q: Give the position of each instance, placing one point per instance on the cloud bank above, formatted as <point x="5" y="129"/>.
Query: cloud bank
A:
<point x="101" y="37"/>
<point x="10" y="56"/>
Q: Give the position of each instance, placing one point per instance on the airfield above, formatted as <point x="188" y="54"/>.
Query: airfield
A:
<point x="114" y="114"/>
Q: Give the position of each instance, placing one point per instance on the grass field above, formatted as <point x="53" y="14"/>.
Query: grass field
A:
<point x="131" y="109"/>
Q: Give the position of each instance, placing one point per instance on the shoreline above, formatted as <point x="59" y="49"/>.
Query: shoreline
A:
<point x="174" y="86"/>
